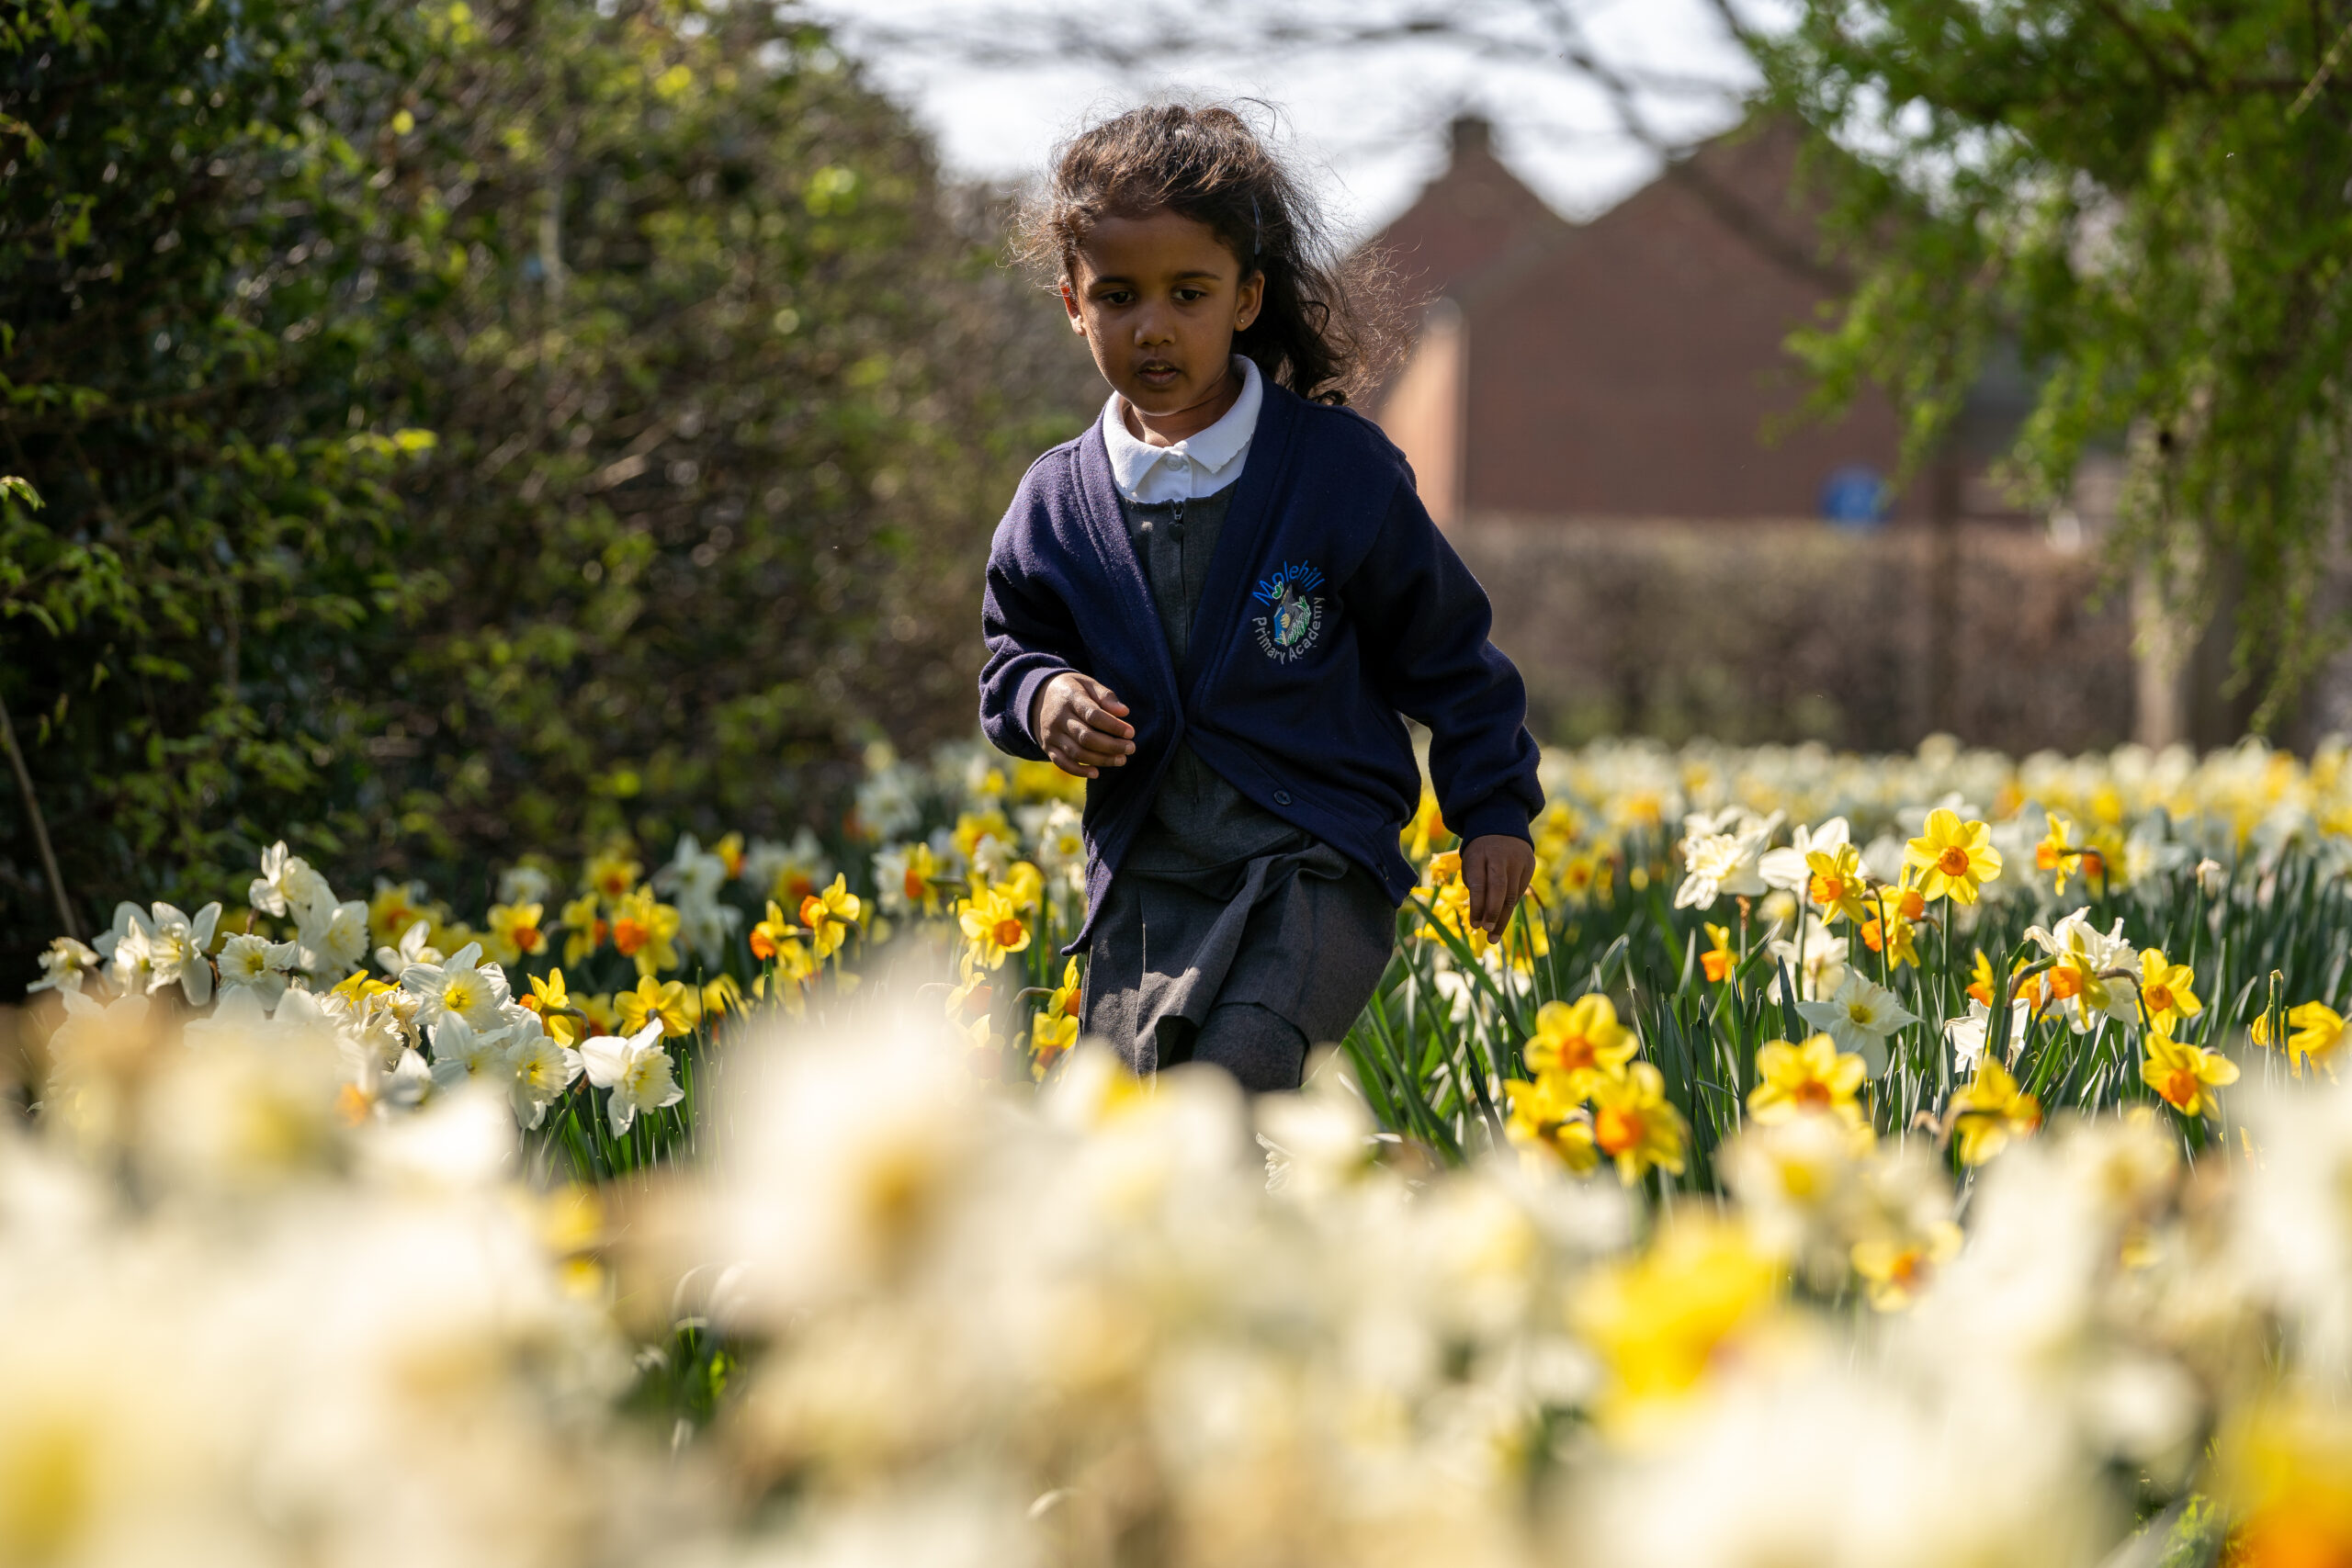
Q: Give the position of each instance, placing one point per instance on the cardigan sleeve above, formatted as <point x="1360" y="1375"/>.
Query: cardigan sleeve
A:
<point x="1031" y="638"/>
<point x="1423" y="622"/>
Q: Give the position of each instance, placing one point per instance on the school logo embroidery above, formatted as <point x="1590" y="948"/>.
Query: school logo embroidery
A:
<point x="1294" y="612"/>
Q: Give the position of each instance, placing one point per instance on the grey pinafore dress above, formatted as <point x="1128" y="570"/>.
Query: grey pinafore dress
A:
<point x="1219" y="903"/>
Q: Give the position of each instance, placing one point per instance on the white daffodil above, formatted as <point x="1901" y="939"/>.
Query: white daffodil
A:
<point x="1717" y="863"/>
<point x="542" y="1069"/>
<point x="63" y="965"/>
<point x="255" y="964"/>
<point x="1786" y="868"/>
<point x="127" y="951"/>
<point x="287" y="883"/>
<point x="524" y="884"/>
<point x="1859" y="1018"/>
<point x="462" y="987"/>
<point x="694" y="874"/>
<point x="2092" y="974"/>
<point x="1967" y="1035"/>
<point x="176" y="952"/>
<point x="415" y="948"/>
<point x="239" y="1016"/>
<point x="335" y="938"/>
<point x="1815" y="959"/>
<point x="461" y="1052"/>
<point x="635" y="1069"/>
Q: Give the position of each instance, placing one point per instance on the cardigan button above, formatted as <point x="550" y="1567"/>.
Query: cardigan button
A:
<point x="1281" y="798"/>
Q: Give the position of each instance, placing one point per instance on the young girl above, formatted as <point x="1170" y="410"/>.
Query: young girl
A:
<point x="1214" y="605"/>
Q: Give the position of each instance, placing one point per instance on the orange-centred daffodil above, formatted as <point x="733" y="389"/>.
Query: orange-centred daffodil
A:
<point x="992" y="924"/>
<point x="1581" y="1041"/>
<point x="1718" y="959"/>
<point x="1989" y="1109"/>
<point x="514" y="934"/>
<point x="1835" y="882"/>
<point x="2164" y="991"/>
<point x="1633" y="1123"/>
<point x="827" y="916"/>
<point x="553" y="1004"/>
<point x="1814" y="1077"/>
<point x="667" y="1000"/>
<point x="2186" y="1076"/>
<point x="1547" y="1123"/>
<point x="1953" y="857"/>
<point x="645" y="931"/>
<point x="584" y="929"/>
<point x="1897" y="1271"/>
<point x="768" y="937"/>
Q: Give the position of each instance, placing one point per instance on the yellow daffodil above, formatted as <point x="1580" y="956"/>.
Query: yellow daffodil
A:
<point x="611" y="875"/>
<point x="827" y="916"/>
<point x="1835" y="882"/>
<point x="645" y="930"/>
<point x="1581" y="1041"/>
<point x="1814" y="1077"/>
<point x="994" y="925"/>
<point x="1891" y="932"/>
<point x="1990" y="1110"/>
<point x="2058" y="854"/>
<point x="1547" y="1123"/>
<point x="1426" y="828"/>
<point x="599" y="1012"/>
<point x="721" y="996"/>
<point x="1718" y="959"/>
<point x="552" y="1003"/>
<point x="1662" y="1321"/>
<point x="973" y="832"/>
<point x="1051" y="1034"/>
<point x="2186" y="1076"/>
<point x="2164" y="991"/>
<point x="395" y="907"/>
<point x="1894" y="1272"/>
<point x="1955" y="858"/>
<point x="583" y="931"/>
<point x="1634" y="1124"/>
<point x="1444" y="868"/>
<point x="667" y="1000"/>
<point x="515" y="933"/>
<point x="1025" y="885"/>
<point x="730" y="851"/>
<point x="2318" y="1030"/>
<point x="1068" y="997"/>
<point x="768" y="937"/>
<point x="359" y="986"/>
<point x="920" y="877"/>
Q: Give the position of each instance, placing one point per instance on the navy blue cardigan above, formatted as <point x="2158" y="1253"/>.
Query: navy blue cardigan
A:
<point x="1332" y="605"/>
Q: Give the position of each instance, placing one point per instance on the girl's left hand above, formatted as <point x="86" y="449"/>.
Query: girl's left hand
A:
<point x="1496" y="870"/>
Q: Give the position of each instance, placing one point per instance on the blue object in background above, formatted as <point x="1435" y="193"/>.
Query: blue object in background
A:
<point x="1855" y="497"/>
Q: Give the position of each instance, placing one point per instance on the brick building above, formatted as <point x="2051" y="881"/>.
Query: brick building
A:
<point x="1606" y="418"/>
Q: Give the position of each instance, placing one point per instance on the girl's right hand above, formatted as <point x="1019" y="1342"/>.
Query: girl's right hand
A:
<point x="1082" y="724"/>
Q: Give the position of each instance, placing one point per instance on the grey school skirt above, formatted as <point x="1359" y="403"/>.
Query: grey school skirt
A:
<point x="1299" y="930"/>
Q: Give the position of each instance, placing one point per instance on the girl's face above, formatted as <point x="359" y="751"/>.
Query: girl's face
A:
<point x="1158" y="298"/>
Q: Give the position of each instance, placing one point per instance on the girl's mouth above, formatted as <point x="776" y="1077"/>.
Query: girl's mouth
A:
<point x="1157" y="374"/>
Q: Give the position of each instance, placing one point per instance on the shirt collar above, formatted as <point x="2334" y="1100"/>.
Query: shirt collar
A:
<point x="1212" y="451"/>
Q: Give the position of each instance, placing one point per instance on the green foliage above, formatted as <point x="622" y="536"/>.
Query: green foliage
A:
<point x="184" y="223"/>
<point x="462" y="426"/>
<point x="729" y="408"/>
<point x="2155" y="200"/>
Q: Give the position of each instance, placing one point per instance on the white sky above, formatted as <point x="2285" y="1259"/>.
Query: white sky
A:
<point x="1369" y="117"/>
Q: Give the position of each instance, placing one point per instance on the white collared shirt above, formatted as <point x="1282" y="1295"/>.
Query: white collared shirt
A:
<point x="1201" y="463"/>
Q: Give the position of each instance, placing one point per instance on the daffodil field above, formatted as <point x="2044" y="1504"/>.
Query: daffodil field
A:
<point x="1927" y="1159"/>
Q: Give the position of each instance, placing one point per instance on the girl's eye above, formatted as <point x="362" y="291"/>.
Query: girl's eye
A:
<point x="1188" y="295"/>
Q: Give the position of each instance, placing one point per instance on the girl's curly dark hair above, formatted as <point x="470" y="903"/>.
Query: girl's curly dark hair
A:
<point x="1326" y="328"/>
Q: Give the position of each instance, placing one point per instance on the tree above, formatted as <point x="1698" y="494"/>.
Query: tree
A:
<point x="186" y="228"/>
<point x="731" y="394"/>
<point x="2155" y="202"/>
<point x="465" y="429"/>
